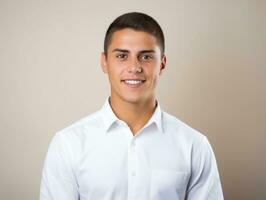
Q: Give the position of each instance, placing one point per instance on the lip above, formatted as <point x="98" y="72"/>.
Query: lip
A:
<point x="136" y="85"/>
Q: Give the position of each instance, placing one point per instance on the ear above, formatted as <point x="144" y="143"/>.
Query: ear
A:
<point x="104" y="62"/>
<point x="163" y="64"/>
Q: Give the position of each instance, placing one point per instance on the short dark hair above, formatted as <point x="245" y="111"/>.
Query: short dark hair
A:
<point x="139" y="22"/>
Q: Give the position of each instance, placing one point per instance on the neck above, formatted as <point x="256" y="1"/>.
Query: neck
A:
<point x="135" y="114"/>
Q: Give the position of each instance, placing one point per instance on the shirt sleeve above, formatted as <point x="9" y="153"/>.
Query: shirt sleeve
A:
<point x="58" y="178"/>
<point x="204" y="183"/>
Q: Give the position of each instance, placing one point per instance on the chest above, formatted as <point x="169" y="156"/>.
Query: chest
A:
<point x="133" y="169"/>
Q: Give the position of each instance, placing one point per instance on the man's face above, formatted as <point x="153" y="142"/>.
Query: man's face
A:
<point x="133" y="64"/>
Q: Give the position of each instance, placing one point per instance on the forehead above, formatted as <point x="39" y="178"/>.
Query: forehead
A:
<point x="133" y="40"/>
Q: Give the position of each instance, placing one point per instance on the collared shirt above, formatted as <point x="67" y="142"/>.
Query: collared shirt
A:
<point x="98" y="158"/>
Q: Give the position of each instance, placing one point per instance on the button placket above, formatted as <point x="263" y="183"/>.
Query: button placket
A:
<point x="131" y="169"/>
<point x="133" y="158"/>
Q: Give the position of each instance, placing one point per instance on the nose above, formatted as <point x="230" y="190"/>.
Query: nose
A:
<point x="135" y="69"/>
<point x="135" y="66"/>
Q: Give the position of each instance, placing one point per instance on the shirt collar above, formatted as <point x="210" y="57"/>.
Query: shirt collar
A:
<point x="109" y="118"/>
<point x="156" y="118"/>
<point x="108" y="115"/>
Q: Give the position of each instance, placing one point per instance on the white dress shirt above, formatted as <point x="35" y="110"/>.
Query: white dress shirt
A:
<point x="98" y="158"/>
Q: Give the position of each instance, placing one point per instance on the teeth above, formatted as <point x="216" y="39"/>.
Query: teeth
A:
<point x="133" y="82"/>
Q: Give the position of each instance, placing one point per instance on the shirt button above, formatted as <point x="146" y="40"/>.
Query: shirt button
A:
<point x="133" y="173"/>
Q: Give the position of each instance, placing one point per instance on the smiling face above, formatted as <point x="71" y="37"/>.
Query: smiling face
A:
<point x="133" y="64"/>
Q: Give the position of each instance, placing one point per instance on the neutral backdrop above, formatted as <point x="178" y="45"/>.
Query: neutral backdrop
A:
<point x="215" y="81"/>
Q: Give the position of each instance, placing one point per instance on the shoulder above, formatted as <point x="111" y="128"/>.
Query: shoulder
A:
<point x="75" y="132"/>
<point x="187" y="137"/>
<point x="180" y="130"/>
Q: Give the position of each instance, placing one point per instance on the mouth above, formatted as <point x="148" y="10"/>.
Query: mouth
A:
<point x="133" y="82"/>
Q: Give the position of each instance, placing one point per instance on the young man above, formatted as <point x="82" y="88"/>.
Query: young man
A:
<point x="131" y="149"/>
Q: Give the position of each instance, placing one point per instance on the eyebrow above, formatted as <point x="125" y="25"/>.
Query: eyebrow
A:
<point x="147" y="51"/>
<point x="127" y="51"/>
<point x="121" y="50"/>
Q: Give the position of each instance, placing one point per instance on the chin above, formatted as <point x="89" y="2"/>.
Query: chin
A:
<point x="133" y="99"/>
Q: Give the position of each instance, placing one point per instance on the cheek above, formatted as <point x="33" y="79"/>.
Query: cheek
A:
<point x="115" y="71"/>
<point x="152" y="70"/>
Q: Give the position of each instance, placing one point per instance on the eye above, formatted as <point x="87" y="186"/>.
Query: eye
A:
<point x="146" y="57"/>
<point x="121" y="56"/>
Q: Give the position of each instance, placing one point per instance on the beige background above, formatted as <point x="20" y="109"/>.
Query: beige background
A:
<point x="215" y="81"/>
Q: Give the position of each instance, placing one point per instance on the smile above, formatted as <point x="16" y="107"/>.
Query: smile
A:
<point x="135" y="82"/>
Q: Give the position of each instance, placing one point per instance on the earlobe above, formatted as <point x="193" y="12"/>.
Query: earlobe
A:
<point x="103" y="62"/>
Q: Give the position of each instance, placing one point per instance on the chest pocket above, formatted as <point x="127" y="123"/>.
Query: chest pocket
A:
<point x="168" y="185"/>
